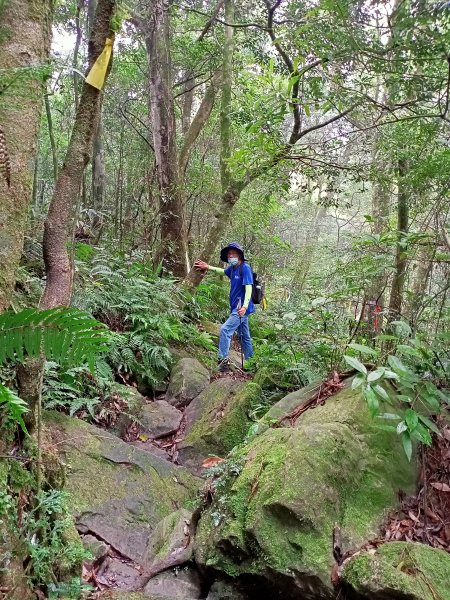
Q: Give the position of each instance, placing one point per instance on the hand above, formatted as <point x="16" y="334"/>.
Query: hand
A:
<point x="200" y="265"/>
<point x="241" y="312"/>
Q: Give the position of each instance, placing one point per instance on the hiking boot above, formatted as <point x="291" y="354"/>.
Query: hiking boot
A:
<point x="224" y="365"/>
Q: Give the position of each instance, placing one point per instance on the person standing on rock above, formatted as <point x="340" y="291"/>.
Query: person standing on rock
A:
<point x="241" y="305"/>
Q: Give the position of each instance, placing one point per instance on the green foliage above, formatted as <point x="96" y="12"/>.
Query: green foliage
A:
<point x="409" y="382"/>
<point x="72" y="390"/>
<point x="66" y="335"/>
<point x="60" y="334"/>
<point x="13" y="406"/>
<point x="45" y="528"/>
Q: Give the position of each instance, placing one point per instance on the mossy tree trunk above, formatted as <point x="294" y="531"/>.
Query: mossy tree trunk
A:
<point x="61" y="214"/>
<point x="25" y="29"/>
<point x="380" y="210"/>
<point x="398" y="282"/>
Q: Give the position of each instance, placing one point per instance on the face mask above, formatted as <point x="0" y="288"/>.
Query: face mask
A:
<point x="233" y="261"/>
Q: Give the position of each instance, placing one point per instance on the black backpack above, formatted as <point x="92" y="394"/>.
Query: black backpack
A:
<point x="257" y="288"/>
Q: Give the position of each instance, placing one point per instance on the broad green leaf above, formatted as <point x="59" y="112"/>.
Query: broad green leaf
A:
<point x="409" y="351"/>
<point x="390" y="374"/>
<point x="363" y="349"/>
<point x="354" y="362"/>
<point x="443" y="396"/>
<point x="407" y="444"/>
<point x="430" y="424"/>
<point x="397" y="365"/>
<point x="372" y="400"/>
<point x="375" y="375"/>
<point x="422" y="434"/>
<point x="411" y="418"/>
<point x="404" y="398"/>
<point x="380" y="391"/>
<point x="357" y="381"/>
<point x="401" y="427"/>
<point x="384" y="427"/>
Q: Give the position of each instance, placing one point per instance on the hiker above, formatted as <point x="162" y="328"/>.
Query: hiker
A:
<point x="241" y="305"/>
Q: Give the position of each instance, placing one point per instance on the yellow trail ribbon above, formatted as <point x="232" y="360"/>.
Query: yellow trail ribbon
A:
<point x="97" y="74"/>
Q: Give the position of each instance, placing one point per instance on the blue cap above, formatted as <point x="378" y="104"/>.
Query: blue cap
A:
<point x="231" y="246"/>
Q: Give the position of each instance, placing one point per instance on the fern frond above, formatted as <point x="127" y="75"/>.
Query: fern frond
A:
<point x="15" y="406"/>
<point x="61" y="334"/>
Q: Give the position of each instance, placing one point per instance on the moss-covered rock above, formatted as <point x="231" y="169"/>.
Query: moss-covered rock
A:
<point x="118" y="492"/>
<point x="187" y="379"/>
<point x="275" y="521"/>
<point x="401" y="570"/>
<point x="217" y="420"/>
<point x="170" y="538"/>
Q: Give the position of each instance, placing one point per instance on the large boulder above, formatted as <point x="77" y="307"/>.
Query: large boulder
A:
<point x="160" y="419"/>
<point x="187" y="379"/>
<point x="217" y="420"/>
<point x="400" y="570"/>
<point x="118" y="492"/>
<point x="272" y="525"/>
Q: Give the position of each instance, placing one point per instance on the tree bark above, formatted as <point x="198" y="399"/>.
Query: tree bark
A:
<point x="380" y="212"/>
<point x="51" y="136"/>
<point x="188" y="99"/>
<point x="420" y="282"/>
<point x="58" y="288"/>
<point x="60" y="217"/>
<point x="98" y="181"/>
<point x="225" y="107"/>
<point x="308" y="248"/>
<point x="230" y="190"/>
<point x="25" y="31"/>
<point x="173" y="251"/>
<point x="398" y="282"/>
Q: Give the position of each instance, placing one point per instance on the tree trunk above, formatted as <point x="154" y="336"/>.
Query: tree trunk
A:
<point x="51" y="136"/>
<point x="230" y="190"/>
<point x="98" y="182"/>
<point x="173" y="251"/>
<point x="60" y="218"/>
<point x="25" y="29"/>
<point x="308" y="248"/>
<point x="398" y="282"/>
<point x="380" y="212"/>
<point x="225" y="108"/>
<point x="420" y="282"/>
<point x="188" y="99"/>
<point x="58" y="288"/>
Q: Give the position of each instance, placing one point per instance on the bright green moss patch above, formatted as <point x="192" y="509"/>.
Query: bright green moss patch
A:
<point x="416" y="570"/>
<point x="222" y="420"/>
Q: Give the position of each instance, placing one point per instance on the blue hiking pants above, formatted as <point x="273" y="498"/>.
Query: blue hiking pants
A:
<point x="232" y="324"/>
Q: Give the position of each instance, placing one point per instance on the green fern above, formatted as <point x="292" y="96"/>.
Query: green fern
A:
<point x="60" y="334"/>
<point x="14" y="405"/>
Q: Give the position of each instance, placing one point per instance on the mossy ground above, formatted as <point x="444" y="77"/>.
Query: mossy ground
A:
<point x="102" y="467"/>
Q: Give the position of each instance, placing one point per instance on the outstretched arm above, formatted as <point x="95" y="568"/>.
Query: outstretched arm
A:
<point x="201" y="265"/>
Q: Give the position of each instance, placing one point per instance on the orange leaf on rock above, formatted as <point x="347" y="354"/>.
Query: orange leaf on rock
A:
<point x="212" y="461"/>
